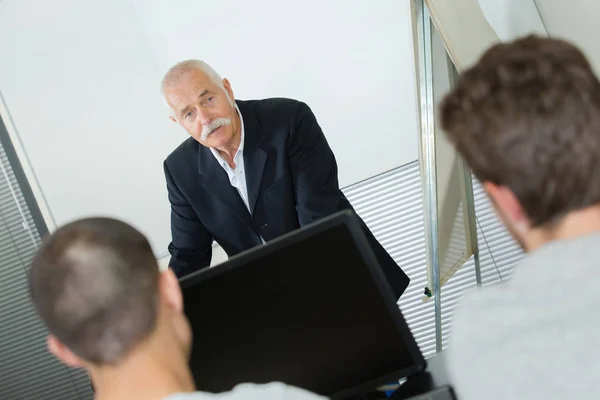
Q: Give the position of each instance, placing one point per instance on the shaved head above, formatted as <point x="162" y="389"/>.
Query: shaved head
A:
<point x="94" y="283"/>
<point x="182" y="69"/>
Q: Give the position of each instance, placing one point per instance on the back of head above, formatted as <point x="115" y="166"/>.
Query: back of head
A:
<point x="94" y="283"/>
<point x="527" y="117"/>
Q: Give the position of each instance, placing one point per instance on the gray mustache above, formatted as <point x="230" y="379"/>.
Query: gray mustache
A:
<point x="215" y="124"/>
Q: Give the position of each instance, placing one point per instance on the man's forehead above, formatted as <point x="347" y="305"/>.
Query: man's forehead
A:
<point x="186" y="93"/>
<point x="194" y="80"/>
<point x="187" y="89"/>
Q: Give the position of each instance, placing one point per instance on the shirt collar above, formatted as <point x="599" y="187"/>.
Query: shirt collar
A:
<point x="242" y="133"/>
<point x="240" y="150"/>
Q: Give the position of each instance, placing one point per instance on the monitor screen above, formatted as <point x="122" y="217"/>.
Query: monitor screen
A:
<point x="307" y="310"/>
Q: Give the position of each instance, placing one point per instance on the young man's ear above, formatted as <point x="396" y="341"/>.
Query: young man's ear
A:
<point x="61" y="352"/>
<point x="509" y="209"/>
<point x="505" y="202"/>
<point x="170" y="290"/>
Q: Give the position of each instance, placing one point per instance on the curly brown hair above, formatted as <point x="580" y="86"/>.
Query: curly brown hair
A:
<point x="527" y="116"/>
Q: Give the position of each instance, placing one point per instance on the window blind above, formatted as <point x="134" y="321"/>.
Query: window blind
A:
<point x="27" y="370"/>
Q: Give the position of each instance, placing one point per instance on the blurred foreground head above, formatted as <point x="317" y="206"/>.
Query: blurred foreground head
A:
<point x="526" y="118"/>
<point x="96" y="285"/>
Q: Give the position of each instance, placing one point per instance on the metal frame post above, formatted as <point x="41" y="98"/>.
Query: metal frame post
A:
<point x="428" y="156"/>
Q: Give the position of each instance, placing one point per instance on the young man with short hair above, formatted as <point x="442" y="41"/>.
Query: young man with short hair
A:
<point x="526" y="118"/>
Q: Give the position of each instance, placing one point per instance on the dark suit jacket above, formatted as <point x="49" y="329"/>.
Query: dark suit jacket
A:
<point x="291" y="175"/>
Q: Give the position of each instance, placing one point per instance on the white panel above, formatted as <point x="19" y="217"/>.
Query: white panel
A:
<point x="351" y="62"/>
<point x="454" y="236"/>
<point x="463" y="28"/>
<point x="489" y="21"/>
<point x="513" y="18"/>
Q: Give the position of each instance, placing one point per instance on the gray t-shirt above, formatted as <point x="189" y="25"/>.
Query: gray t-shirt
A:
<point x="536" y="336"/>
<point x="250" y="391"/>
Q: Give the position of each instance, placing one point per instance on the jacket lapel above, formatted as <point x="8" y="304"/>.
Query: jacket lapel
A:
<point x="255" y="157"/>
<point x="216" y="183"/>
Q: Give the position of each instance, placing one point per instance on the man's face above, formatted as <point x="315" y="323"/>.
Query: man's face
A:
<point x="204" y="108"/>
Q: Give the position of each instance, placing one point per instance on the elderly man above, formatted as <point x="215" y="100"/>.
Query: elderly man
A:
<point x="250" y="172"/>
<point x="526" y="118"/>
<point x="96" y="285"/>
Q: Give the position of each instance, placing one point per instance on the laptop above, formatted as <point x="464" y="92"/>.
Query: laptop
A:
<point x="311" y="308"/>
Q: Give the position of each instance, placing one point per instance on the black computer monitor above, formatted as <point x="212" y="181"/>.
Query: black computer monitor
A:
<point x="311" y="309"/>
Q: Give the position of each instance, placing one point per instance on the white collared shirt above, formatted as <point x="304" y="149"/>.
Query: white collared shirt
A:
<point x="237" y="176"/>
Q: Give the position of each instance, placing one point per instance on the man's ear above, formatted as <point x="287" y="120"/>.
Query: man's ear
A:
<point x="228" y="89"/>
<point x="506" y="203"/>
<point x="172" y="118"/>
<point x="170" y="290"/>
<point x="60" y="351"/>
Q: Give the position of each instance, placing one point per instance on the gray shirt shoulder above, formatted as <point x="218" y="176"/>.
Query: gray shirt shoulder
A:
<point x="536" y="336"/>
<point x="250" y="391"/>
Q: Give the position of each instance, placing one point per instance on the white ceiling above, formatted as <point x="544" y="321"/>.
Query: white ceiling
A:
<point x="574" y="20"/>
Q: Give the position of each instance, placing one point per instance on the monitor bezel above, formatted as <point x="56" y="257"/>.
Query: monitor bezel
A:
<point x="352" y="222"/>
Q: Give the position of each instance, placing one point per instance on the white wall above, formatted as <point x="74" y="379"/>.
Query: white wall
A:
<point x="80" y="78"/>
<point x="81" y="86"/>
<point x="350" y="61"/>
<point x="513" y="18"/>
<point x="574" y="20"/>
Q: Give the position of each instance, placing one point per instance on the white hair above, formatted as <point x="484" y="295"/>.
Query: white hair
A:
<point x="182" y="69"/>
